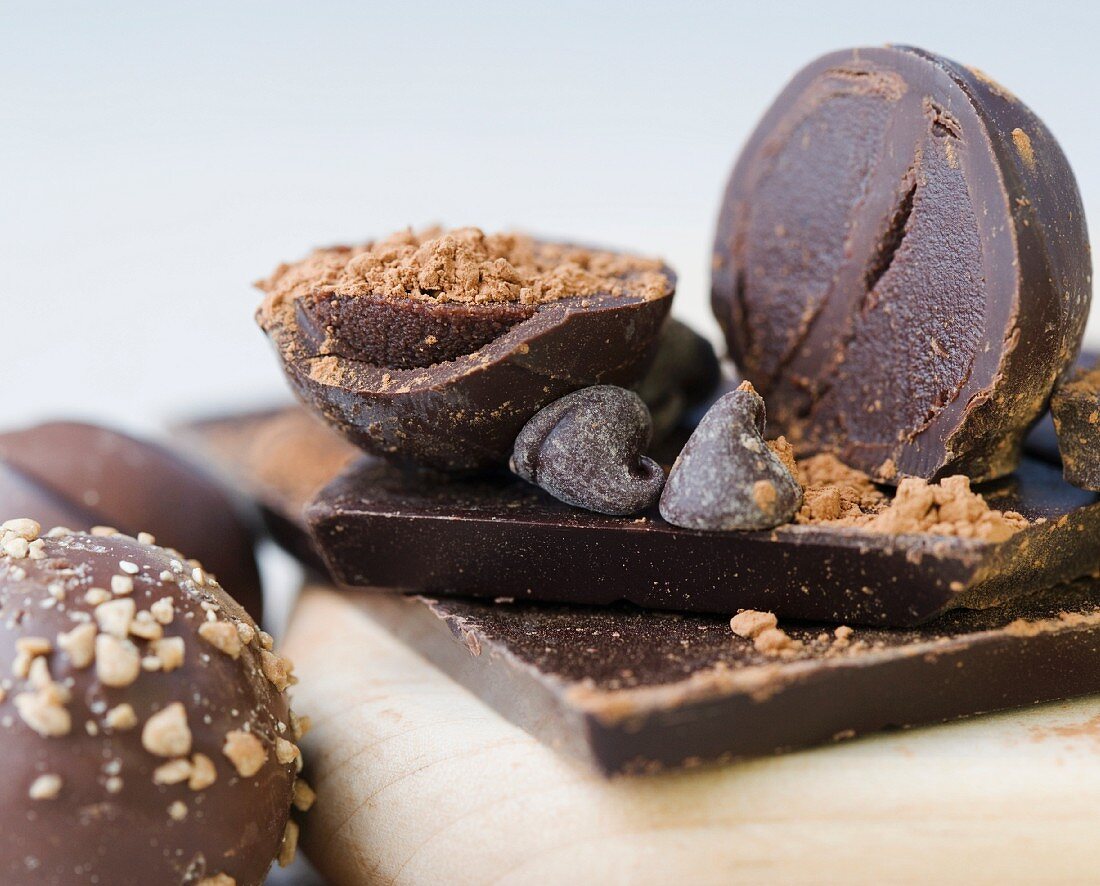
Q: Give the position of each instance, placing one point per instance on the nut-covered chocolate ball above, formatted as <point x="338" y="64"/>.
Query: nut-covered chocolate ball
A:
<point x="146" y="729"/>
<point x="436" y="348"/>
<point x="73" y="474"/>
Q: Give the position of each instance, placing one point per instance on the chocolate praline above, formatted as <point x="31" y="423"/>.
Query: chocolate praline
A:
<point x="66" y="473"/>
<point x="146" y="730"/>
<point x="901" y="265"/>
<point x="447" y="385"/>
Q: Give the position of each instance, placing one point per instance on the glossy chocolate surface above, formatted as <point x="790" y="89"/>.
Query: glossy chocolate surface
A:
<point x="901" y="265"/>
<point x="110" y="820"/>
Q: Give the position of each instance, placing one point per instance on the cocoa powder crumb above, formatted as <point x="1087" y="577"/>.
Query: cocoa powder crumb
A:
<point x="748" y="623"/>
<point x="949" y="507"/>
<point x="464" y="265"/>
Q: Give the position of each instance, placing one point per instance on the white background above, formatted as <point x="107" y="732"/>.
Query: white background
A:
<point x="156" y="158"/>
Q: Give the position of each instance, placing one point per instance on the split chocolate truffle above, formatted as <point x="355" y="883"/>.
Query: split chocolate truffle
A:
<point x="67" y="473"/>
<point x="435" y="349"/>
<point x="146" y="729"/>
<point x="901" y="265"/>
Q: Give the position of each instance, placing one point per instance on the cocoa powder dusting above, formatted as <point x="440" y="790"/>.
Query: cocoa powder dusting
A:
<point x="838" y="495"/>
<point x="465" y="266"/>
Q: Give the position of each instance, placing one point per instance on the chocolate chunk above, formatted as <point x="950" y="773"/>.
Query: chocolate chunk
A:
<point x="684" y="375"/>
<point x="1076" y="411"/>
<point x="145" y="737"/>
<point x="901" y="265"/>
<point x="445" y="366"/>
<point x="74" y="474"/>
<point x="588" y="449"/>
<point x="726" y="477"/>
<point x="496" y="536"/>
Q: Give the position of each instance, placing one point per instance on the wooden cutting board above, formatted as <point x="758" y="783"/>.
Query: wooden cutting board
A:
<point x="419" y="782"/>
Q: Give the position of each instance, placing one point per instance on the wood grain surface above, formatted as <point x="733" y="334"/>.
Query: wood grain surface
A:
<point x="419" y="782"/>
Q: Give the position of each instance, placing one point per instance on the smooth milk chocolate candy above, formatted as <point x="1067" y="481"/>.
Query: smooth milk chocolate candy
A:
<point x="588" y="450"/>
<point x="435" y="349"/>
<point x="902" y="266"/>
<point x="74" y="474"/>
<point x="727" y="477"/>
<point x="1076" y="411"/>
<point x="146" y="728"/>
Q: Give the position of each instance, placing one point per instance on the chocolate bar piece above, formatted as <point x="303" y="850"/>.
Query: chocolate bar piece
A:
<point x="901" y="265"/>
<point x="628" y="690"/>
<point x="377" y="526"/>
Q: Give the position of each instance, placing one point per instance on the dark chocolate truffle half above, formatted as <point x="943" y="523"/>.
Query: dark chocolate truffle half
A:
<point x="443" y="369"/>
<point x="146" y="729"/>
<point x="901" y="265"/>
<point x="74" y="474"/>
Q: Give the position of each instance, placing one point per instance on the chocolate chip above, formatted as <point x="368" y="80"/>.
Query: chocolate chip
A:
<point x="727" y="477"/>
<point x="587" y="449"/>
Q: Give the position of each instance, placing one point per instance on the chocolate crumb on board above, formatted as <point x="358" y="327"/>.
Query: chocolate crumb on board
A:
<point x="140" y="676"/>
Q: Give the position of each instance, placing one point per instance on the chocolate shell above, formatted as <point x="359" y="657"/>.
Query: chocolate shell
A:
<point x="146" y="731"/>
<point x="901" y="265"/>
<point x="75" y="474"/>
<point x="458" y="411"/>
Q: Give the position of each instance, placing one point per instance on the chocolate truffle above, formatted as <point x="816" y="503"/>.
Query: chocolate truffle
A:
<point x="146" y="729"/>
<point x="901" y="265"/>
<point x="74" y="474"/>
<point x="436" y="348"/>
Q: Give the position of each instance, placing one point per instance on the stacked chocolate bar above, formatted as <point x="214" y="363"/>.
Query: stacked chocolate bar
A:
<point x="554" y="473"/>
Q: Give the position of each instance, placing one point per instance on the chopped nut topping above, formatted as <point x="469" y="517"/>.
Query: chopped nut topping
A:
<point x="146" y="627"/>
<point x="44" y="711"/>
<point x="39" y="674"/>
<point x="114" y="617"/>
<point x="198" y="576"/>
<point x="121" y="717"/>
<point x="113" y="784"/>
<point x="166" y="733"/>
<point x="246" y="631"/>
<point x="276" y="668"/>
<point x="95" y="596"/>
<point x="172" y="772"/>
<point x="129" y="567"/>
<point x="218" y="880"/>
<point x="79" y="645"/>
<point x="289" y="846"/>
<point x="266" y="641"/>
<point x="304" y="796"/>
<point x="177" y="811"/>
<point x="36" y="550"/>
<point x="104" y="531"/>
<point x="24" y="527"/>
<point x="117" y="662"/>
<point x="222" y="636"/>
<point x="286" y="751"/>
<point x="245" y="751"/>
<point x="163" y="610"/>
<point x="45" y="787"/>
<point x="146" y="538"/>
<point x="169" y="651"/>
<point x="16" y="547"/>
<point x="300" y="725"/>
<point x="203" y="773"/>
<point x="122" y="585"/>
<point x="32" y="646"/>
